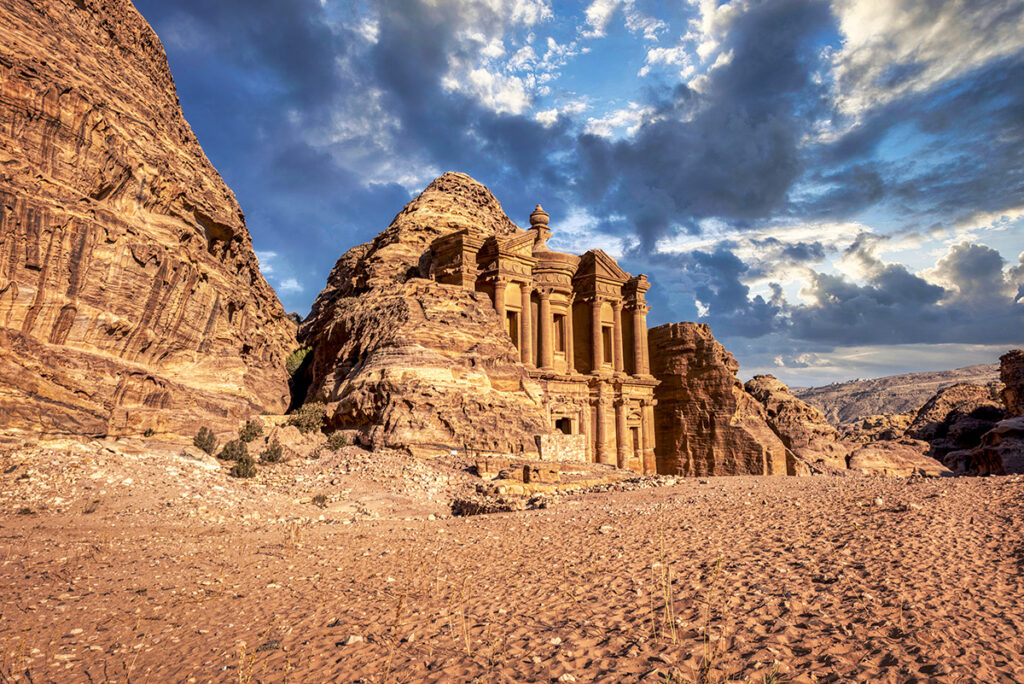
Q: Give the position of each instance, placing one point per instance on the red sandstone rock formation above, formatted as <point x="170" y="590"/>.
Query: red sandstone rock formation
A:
<point x="887" y="426"/>
<point x="901" y="458"/>
<point x="800" y="426"/>
<point x="705" y="423"/>
<point x="1011" y="372"/>
<point x="130" y="297"/>
<point x="413" y="363"/>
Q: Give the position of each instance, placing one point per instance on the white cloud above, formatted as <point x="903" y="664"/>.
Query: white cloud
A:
<point x="549" y="117"/>
<point x="289" y="285"/>
<point x="628" y="118"/>
<point x="599" y="15"/>
<point x="891" y="49"/>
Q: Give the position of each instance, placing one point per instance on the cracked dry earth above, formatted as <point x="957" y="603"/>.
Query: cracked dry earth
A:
<point x="727" y="579"/>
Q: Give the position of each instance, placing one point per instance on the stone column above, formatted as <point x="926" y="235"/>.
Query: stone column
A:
<point x="597" y="350"/>
<point x="570" y="341"/>
<point x="647" y="414"/>
<point x="622" y="445"/>
<point x="643" y="366"/>
<point x="617" y="337"/>
<point x="545" y="340"/>
<point x="499" y="302"/>
<point x="602" y="432"/>
<point x="526" y="326"/>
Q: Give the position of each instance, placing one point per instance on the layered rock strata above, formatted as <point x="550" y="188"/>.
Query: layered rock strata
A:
<point x="800" y="426"/>
<point x="416" y="364"/>
<point x="1011" y="372"/>
<point x="130" y="296"/>
<point x="705" y="422"/>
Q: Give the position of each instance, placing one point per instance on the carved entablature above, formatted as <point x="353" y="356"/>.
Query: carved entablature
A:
<point x="453" y="258"/>
<point x="635" y="289"/>
<point x="508" y="258"/>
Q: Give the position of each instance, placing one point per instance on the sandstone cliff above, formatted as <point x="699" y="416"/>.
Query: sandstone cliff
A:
<point x="1011" y="372"/>
<point x="130" y="297"/>
<point x="800" y="426"/>
<point x="412" y="363"/>
<point x="705" y="422"/>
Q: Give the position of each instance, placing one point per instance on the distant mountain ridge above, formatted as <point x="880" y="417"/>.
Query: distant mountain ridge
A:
<point x="845" y="402"/>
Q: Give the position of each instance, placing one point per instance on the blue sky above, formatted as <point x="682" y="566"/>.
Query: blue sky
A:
<point x="837" y="188"/>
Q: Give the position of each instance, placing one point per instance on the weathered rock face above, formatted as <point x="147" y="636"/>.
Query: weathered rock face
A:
<point x="896" y="458"/>
<point x="887" y="426"/>
<point x="956" y="418"/>
<point x="130" y="297"/>
<point x="1000" y="451"/>
<point x="705" y="423"/>
<point x="800" y="426"/>
<point x="1011" y="372"/>
<point x="413" y="363"/>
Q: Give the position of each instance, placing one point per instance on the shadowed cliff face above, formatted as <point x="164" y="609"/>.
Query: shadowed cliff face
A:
<point x="130" y="296"/>
<point x="412" y="363"/>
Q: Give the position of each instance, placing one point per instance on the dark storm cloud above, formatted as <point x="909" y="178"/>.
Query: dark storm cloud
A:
<point x="968" y="138"/>
<point x="894" y="306"/>
<point x="730" y="152"/>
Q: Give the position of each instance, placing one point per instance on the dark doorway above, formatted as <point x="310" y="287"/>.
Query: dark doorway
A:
<point x="565" y="425"/>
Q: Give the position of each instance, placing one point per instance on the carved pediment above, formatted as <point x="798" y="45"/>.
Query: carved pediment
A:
<point x="597" y="263"/>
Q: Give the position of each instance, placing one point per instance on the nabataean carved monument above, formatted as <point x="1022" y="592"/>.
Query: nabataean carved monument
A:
<point x="579" y="324"/>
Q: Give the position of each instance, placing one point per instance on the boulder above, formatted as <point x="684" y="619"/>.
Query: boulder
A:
<point x="705" y="422"/>
<point x="130" y="296"/>
<point x="412" y="363"/>
<point x="902" y="458"/>
<point x="800" y="426"/>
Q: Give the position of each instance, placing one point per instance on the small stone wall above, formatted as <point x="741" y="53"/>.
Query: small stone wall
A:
<point x="559" y="447"/>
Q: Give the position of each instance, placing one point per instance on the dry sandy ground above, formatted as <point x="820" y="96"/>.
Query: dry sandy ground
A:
<point x="184" y="574"/>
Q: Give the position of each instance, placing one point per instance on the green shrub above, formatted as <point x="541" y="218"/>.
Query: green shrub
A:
<point x="320" y="501"/>
<point x="149" y="432"/>
<point x="244" y="467"/>
<point x="252" y="430"/>
<point x="234" y="451"/>
<point x="295" y="359"/>
<point x="205" y="440"/>
<point x="273" y="452"/>
<point x="309" y="417"/>
<point x="336" y="441"/>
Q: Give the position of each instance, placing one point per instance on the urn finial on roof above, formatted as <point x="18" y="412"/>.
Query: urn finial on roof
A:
<point x="539" y="217"/>
<point x="539" y="222"/>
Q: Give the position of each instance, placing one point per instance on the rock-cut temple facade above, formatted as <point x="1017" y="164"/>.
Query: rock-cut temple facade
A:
<point x="580" y="326"/>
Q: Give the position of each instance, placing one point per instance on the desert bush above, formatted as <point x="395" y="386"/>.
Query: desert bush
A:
<point x="309" y="417"/>
<point x="336" y="441"/>
<point x="273" y="452"/>
<point x="234" y="451"/>
<point x="320" y="501"/>
<point x="149" y="432"/>
<point x="205" y="440"/>
<point x="252" y="430"/>
<point x="244" y="467"/>
<point x="295" y="359"/>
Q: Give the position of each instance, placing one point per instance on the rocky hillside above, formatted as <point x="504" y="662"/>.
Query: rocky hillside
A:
<point x="130" y="297"/>
<point x="848" y="402"/>
<point x="409" y="362"/>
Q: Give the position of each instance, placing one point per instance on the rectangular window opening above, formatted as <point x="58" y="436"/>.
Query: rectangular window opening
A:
<point x="606" y="339"/>
<point x="560" y="333"/>
<point x="512" y="324"/>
